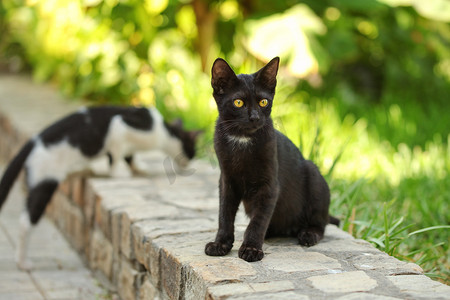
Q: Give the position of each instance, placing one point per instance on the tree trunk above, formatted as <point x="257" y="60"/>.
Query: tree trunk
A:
<point x="206" y="18"/>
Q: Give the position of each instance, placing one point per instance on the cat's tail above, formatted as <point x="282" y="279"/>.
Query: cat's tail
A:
<point x="333" y="220"/>
<point x="13" y="170"/>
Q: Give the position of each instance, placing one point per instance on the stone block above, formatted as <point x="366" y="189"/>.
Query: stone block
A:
<point x="127" y="281"/>
<point x="181" y="267"/>
<point x="11" y="281"/>
<point x="332" y="232"/>
<point x="23" y="295"/>
<point x="343" y="245"/>
<point x="144" y="232"/>
<point x="71" y="221"/>
<point x="147" y="290"/>
<point x="78" y="231"/>
<point x="366" y="296"/>
<point x="101" y="254"/>
<point x="239" y="289"/>
<point x="385" y="264"/>
<point x="135" y="213"/>
<point x="222" y="269"/>
<point x="67" y="284"/>
<point x="183" y="249"/>
<point x="289" y="295"/>
<point x="290" y="262"/>
<point x="110" y="202"/>
<point x="348" y="282"/>
<point x="153" y="264"/>
<point x="199" y="199"/>
<point x="53" y="210"/>
<point x="65" y="187"/>
<point x="420" y="286"/>
<point x="78" y="183"/>
<point x="90" y="199"/>
<point x="192" y="285"/>
<point x="170" y="275"/>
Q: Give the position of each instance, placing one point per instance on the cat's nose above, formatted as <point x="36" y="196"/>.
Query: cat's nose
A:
<point x="254" y="116"/>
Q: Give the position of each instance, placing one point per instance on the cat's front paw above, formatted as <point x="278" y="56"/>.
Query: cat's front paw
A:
<point x="308" y="238"/>
<point x="217" y="249"/>
<point x="250" y="253"/>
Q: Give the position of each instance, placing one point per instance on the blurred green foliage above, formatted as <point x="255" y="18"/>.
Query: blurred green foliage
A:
<point x="363" y="88"/>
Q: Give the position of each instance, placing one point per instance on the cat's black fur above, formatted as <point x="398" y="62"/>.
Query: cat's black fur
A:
<point x="283" y="194"/>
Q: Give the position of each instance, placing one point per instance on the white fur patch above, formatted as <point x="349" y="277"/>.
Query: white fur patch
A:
<point x="22" y="244"/>
<point x="53" y="162"/>
<point x="241" y="140"/>
<point x="122" y="140"/>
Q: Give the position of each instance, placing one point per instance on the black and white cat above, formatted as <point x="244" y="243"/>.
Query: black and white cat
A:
<point x="283" y="194"/>
<point x="70" y="144"/>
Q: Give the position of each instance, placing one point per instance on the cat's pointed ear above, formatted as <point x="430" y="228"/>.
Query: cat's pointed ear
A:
<point x="267" y="75"/>
<point x="222" y="76"/>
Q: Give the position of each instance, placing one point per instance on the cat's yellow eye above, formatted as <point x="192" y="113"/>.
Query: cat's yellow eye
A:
<point x="263" y="103"/>
<point x="238" y="103"/>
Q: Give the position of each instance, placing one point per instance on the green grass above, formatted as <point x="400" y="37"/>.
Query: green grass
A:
<point x="385" y="191"/>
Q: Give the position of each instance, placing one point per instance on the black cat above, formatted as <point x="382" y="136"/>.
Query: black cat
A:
<point x="283" y="194"/>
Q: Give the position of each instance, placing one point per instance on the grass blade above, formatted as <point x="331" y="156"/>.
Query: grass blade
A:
<point x="429" y="229"/>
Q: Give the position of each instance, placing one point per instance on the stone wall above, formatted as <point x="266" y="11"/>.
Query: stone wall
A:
<point x="144" y="237"/>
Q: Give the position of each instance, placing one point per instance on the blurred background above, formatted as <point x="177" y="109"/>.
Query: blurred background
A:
<point x="363" y="89"/>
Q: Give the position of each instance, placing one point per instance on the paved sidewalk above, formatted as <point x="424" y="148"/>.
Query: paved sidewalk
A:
<point x="58" y="271"/>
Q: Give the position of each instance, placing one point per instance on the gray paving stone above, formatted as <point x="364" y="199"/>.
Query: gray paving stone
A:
<point x="344" y="245"/>
<point x="6" y="252"/>
<point x="73" y="293"/>
<point x="299" y="261"/>
<point x="279" y="296"/>
<point x="348" y="282"/>
<point x="21" y="295"/>
<point x="365" y="296"/>
<point x="384" y="264"/>
<point x="221" y="269"/>
<point x="195" y="199"/>
<point x="7" y="264"/>
<point x="332" y="232"/>
<point x="12" y="281"/>
<point x="419" y="286"/>
<point x="65" y="280"/>
<point x="236" y="289"/>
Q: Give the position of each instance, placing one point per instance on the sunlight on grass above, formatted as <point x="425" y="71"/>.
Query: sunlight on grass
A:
<point x="365" y="173"/>
<point x="364" y="155"/>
